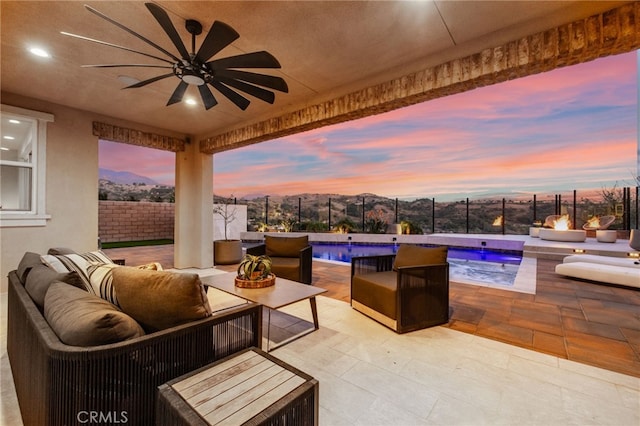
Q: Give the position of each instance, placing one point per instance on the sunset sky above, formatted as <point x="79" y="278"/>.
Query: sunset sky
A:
<point x="571" y="128"/>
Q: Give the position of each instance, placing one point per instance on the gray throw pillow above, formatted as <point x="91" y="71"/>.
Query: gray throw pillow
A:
<point x="28" y="261"/>
<point x="41" y="277"/>
<point x="82" y="319"/>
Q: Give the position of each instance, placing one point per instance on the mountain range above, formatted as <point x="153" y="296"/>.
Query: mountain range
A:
<point x="124" y="178"/>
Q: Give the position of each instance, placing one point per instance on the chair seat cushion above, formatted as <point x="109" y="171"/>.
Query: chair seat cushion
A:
<point x="377" y="291"/>
<point x="286" y="267"/>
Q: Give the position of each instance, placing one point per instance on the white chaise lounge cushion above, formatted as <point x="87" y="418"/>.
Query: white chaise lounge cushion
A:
<point x="611" y="274"/>
<point x="603" y="260"/>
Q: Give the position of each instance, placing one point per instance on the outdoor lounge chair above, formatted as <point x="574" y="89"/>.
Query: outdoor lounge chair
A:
<point x="291" y="257"/>
<point x="406" y="291"/>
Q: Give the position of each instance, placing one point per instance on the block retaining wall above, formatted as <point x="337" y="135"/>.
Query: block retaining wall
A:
<point x="135" y="221"/>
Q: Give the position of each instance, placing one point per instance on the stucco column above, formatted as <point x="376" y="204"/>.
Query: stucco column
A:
<point x="194" y="209"/>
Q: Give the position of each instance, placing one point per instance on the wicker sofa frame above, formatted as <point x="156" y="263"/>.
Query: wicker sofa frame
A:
<point x="420" y="293"/>
<point x="57" y="384"/>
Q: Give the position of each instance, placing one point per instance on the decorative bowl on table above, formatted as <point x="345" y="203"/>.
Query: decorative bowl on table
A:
<point x="255" y="272"/>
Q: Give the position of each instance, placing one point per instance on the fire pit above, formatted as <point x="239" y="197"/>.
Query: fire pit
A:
<point x="561" y="232"/>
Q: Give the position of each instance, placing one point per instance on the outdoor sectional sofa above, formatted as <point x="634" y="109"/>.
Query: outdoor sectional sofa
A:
<point x="606" y="269"/>
<point x="116" y="381"/>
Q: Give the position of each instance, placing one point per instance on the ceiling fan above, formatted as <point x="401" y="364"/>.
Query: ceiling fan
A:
<point x="196" y="68"/>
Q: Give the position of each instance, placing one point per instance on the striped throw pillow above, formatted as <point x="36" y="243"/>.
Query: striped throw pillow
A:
<point x="78" y="263"/>
<point x="101" y="279"/>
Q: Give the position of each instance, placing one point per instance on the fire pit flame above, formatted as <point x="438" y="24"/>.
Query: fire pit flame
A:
<point x="562" y="223"/>
<point x="498" y="221"/>
<point x="593" y="223"/>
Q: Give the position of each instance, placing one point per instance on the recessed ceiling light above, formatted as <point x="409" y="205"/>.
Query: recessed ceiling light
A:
<point x="39" y="52"/>
<point x="8" y="137"/>
<point x="191" y="101"/>
<point x="12" y="121"/>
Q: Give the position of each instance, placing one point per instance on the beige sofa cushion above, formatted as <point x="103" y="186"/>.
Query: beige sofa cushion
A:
<point x="285" y="246"/>
<point x="82" y="319"/>
<point x="160" y="299"/>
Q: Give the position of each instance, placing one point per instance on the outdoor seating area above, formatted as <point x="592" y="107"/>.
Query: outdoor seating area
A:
<point x="515" y="319"/>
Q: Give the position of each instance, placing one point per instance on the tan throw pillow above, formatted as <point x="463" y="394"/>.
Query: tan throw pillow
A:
<point x="154" y="266"/>
<point x="160" y="299"/>
<point x="411" y="255"/>
<point x="285" y="246"/>
<point x="82" y="319"/>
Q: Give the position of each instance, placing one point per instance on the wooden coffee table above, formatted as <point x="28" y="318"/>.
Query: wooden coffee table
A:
<point x="283" y="293"/>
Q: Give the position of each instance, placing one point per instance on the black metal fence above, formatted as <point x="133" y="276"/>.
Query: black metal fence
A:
<point x="373" y="214"/>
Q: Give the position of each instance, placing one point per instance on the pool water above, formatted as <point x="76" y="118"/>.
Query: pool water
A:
<point x="466" y="265"/>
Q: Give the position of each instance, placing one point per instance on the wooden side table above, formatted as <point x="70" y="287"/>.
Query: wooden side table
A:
<point x="248" y="388"/>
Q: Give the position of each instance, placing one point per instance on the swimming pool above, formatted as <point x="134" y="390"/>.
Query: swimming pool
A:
<point x="467" y="265"/>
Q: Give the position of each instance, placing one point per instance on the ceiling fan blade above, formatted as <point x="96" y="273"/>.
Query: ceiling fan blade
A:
<point x="151" y="80"/>
<point x="178" y="93"/>
<point x="248" y="60"/>
<point x="124" y="65"/>
<point x="256" y="91"/>
<point x="130" y="31"/>
<point x="240" y="101"/>
<point x="219" y="36"/>
<point x="264" y="80"/>
<point x="165" y="22"/>
<point x="207" y="97"/>
<point x="115" y="45"/>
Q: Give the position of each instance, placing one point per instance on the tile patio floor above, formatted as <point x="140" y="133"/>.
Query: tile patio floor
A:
<point x="504" y="358"/>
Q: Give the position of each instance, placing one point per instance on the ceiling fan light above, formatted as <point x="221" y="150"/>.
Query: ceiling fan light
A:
<point x="192" y="78"/>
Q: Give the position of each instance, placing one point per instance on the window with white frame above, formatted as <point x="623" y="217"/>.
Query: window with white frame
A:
<point x="22" y="167"/>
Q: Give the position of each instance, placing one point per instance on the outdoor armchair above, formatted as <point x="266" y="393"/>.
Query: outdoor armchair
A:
<point x="406" y="291"/>
<point x="292" y="257"/>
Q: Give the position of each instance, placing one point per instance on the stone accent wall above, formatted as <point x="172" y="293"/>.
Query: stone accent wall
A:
<point x="135" y="221"/>
<point x="613" y="32"/>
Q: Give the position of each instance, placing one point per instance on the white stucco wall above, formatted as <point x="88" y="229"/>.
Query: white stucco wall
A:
<point x="71" y="186"/>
